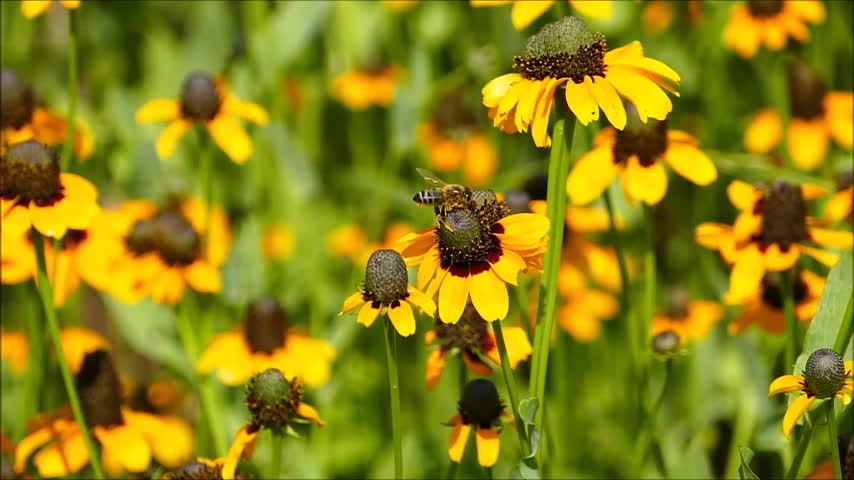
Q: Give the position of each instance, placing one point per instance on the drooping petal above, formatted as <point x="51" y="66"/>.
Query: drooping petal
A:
<point x="453" y="297"/>
<point x="231" y="138"/>
<point x="839" y="114"/>
<point x="429" y="264"/>
<point x="422" y="301"/>
<point x="600" y="9"/>
<point x="590" y="176"/>
<point x="124" y="449"/>
<point x="647" y="184"/>
<point x="524" y="13"/>
<point x="508" y="266"/>
<point x="741" y="33"/>
<point x="489" y="296"/>
<point x="581" y="100"/>
<point x="831" y="238"/>
<point x="796" y="409"/>
<point x="168" y="138"/>
<point x="351" y="302"/>
<point x="786" y="383"/>
<point x="488" y="446"/>
<point x="170" y="438"/>
<point x="49" y="221"/>
<point x="248" y="110"/>
<point x="402" y="319"/>
<point x="458" y="439"/>
<point x="763" y="132"/>
<point x="495" y="90"/>
<point x="64" y="456"/>
<point x="308" y="412"/>
<point x="523" y="229"/>
<point x="691" y="163"/>
<point x="203" y="277"/>
<point x="777" y="260"/>
<point x="746" y="275"/>
<point x="648" y="98"/>
<point x="827" y="258"/>
<point x="367" y="315"/>
<point x="807" y="141"/>
<point x="435" y="366"/>
<point x="743" y="195"/>
<point x="243" y="440"/>
<point x="157" y="110"/>
<point x="540" y="122"/>
<point x="30" y="443"/>
<point x="609" y="100"/>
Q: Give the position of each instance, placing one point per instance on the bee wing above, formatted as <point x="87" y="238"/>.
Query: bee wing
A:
<point x="430" y="178"/>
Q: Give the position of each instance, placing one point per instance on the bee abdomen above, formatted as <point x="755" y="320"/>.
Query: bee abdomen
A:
<point x="426" y="197"/>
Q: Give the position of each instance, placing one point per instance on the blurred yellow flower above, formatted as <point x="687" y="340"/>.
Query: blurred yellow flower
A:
<point x="765" y="309"/>
<point x="34" y="8"/>
<point x="760" y="22"/>
<point x="525" y="12"/>
<point x="657" y="15"/>
<point x="346" y="241"/>
<point x="469" y="150"/>
<point x="360" y="89"/>
<point x="689" y="320"/>
<point x="482" y="409"/>
<point x="839" y="207"/>
<point x="77" y="342"/>
<point x="277" y="242"/>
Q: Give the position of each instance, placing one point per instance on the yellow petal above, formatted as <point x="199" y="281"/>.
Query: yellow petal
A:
<point x="831" y="238"/>
<point x="591" y="175"/>
<point x="422" y="301"/>
<point x="599" y="9"/>
<point x="203" y="277"/>
<point x="70" y="4"/>
<point x="746" y="225"/>
<point x="743" y="195"/>
<point x="488" y="446"/>
<point x="308" y="412"/>
<point x="746" y="276"/>
<point x="457" y="440"/>
<point x="30" y="443"/>
<point x="839" y="114"/>
<point x="807" y="141"/>
<point x="495" y="90"/>
<point x="170" y="438"/>
<point x="63" y="457"/>
<point x="827" y="258"/>
<point x="741" y="32"/>
<point x="34" y="8"/>
<point x="609" y="101"/>
<point x="508" y="266"/>
<point x="524" y="13"/>
<point x="77" y="342"/>
<point x="489" y="296"/>
<point x="810" y="10"/>
<point x="691" y="163"/>
<point x="243" y="440"/>
<point x="231" y="138"/>
<point x="159" y="109"/>
<point x="777" y="260"/>
<point x="523" y="229"/>
<point x="763" y="132"/>
<point x="518" y="346"/>
<point x="168" y="138"/>
<point x="352" y="302"/>
<point x="786" y="383"/>
<point x="367" y="315"/>
<point x="796" y="409"/>
<point x="840" y="205"/>
<point x="453" y="296"/>
<point x="647" y="184"/>
<point x="540" y="122"/>
<point x="124" y="449"/>
<point x="248" y="110"/>
<point x="643" y="93"/>
<point x="402" y="319"/>
<point x="49" y="221"/>
<point x="79" y="206"/>
<point x="581" y="101"/>
<point x="435" y="366"/>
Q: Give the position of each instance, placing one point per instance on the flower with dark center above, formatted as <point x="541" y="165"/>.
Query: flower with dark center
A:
<point x="526" y="12"/>
<point x="387" y="286"/>
<point x="566" y="54"/>
<point x="636" y="154"/>
<point x="480" y="408"/>
<point x="472" y="253"/>
<point x="473" y="339"/>
<point x="690" y="320"/>
<point x="275" y="402"/>
<point x="825" y="376"/>
<point x="267" y="341"/>
<point x="33" y="8"/>
<point x="35" y="193"/>
<point x="168" y="234"/>
<point x="77" y="342"/>
<point x="770" y="23"/>
<point x="770" y="233"/>
<point x="204" y="100"/>
<point x="17" y="101"/>
<point x="841" y="204"/>
<point x="371" y="86"/>
<point x="128" y="438"/>
<point x="765" y="308"/>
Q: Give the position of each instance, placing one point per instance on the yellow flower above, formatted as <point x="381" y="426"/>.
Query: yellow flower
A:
<point x="277" y="242"/>
<point x="223" y="468"/>
<point x="140" y="250"/>
<point x="566" y="55"/>
<point x="770" y="24"/>
<point x="399" y="5"/>
<point x="825" y="376"/>
<point x="24" y="118"/>
<point x="346" y="241"/>
<point x="266" y="342"/>
<point x="393" y="233"/>
<point x="34" y="192"/>
<point x="275" y="402"/>
<point x="657" y="15"/>
<point x="128" y="438"/>
<point x="360" y="89"/>
<point x="636" y="154"/>
<point x="34" y="8"/>
<point x="765" y="309"/>
<point x="770" y="233"/>
<point x="472" y="338"/>
<point x="480" y="408"/>
<point x="817" y="116"/>
<point x="689" y="320"/>
<point x="526" y="12"/>
<point x="204" y="100"/>
<point x="473" y="252"/>
<point x="839" y="207"/>
<point x="386" y="285"/>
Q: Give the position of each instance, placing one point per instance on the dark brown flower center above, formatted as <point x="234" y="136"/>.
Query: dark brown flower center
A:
<point x="16" y="101"/>
<point x="272" y="399"/>
<point x="168" y="234"/>
<point x="73" y="238"/>
<point x="563" y="49"/>
<point x="386" y="279"/>
<point x="806" y="91"/>
<point x="824" y="373"/>
<point x="452" y="114"/>
<point x="469" y="333"/>
<point x="100" y="391"/>
<point x="195" y="471"/>
<point x="677" y="303"/>
<point x="480" y="404"/>
<point x="467" y="244"/>
<point x="200" y="98"/>
<point x="772" y="289"/>
<point x="764" y="8"/>
<point x="265" y="325"/>
<point x="784" y="216"/>
<point x="647" y="141"/>
<point x="30" y="172"/>
<point x="844" y="180"/>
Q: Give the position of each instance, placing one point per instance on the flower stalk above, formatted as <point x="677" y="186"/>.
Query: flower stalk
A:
<point x="394" y="392"/>
<point x="625" y="299"/>
<point x="801" y="451"/>
<point x="832" y="433"/>
<point x="507" y="371"/>
<point x="276" y="457"/>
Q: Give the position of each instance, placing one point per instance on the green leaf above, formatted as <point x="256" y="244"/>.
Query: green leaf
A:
<point x="527" y="409"/>
<point x="525" y="470"/>
<point x="831" y="310"/>
<point x="744" y="471"/>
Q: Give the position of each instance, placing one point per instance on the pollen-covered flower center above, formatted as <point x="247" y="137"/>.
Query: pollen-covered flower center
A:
<point x="195" y="470"/>
<point x="168" y="234"/>
<point x="784" y="216"/>
<point x="30" y="172"/>
<point x="806" y="91"/>
<point x="467" y="334"/>
<point x="563" y="49"/>
<point x="480" y="404"/>
<point x="764" y="8"/>
<point x="272" y="399"/>
<point x="824" y="373"/>
<point x="772" y="289"/>
<point x="386" y="279"/>
<point x="466" y="243"/>
<point x="17" y="101"/>
<point x="265" y="326"/>
<point x="647" y="141"/>
<point x="200" y="99"/>
<point x="99" y="389"/>
<point x="452" y="114"/>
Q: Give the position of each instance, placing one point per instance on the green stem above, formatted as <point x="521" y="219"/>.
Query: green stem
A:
<point x="625" y="298"/>
<point x="649" y="282"/>
<point x="524" y="443"/>
<point x="806" y="435"/>
<point x="791" y="322"/>
<point x="206" y="167"/>
<point x="556" y="212"/>
<point x="845" y="330"/>
<point x="67" y="148"/>
<point x="832" y="431"/>
<point x="35" y="363"/>
<point x="452" y="470"/>
<point x="522" y="303"/>
<point x="394" y="392"/>
<point x="276" y="457"/>
<point x="46" y="294"/>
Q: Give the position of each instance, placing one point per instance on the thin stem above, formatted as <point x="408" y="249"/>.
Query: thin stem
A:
<point x="206" y="175"/>
<point x="832" y="432"/>
<point x="522" y="303"/>
<point x="556" y="212"/>
<point x="46" y="294"/>
<point x="845" y="330"/>
<point x="791" y="322"/>
<point x="276" y="457"/>
<point x="394" y="392"/>
<point x="452" y="470"/>
<point x="649" y="281"/>
<point x="524" y="443"/>
<point x="35" y="363"/>
<point x="67" y="148"/>
<point x="625" y="298"/>
<point x="806" y="435"/>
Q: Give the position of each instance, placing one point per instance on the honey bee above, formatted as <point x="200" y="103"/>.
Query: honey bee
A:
<point x="444" y="196"/>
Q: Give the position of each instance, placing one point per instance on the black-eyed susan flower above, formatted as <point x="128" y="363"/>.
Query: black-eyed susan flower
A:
<point x="770" y="23"/>
<point x="24" y="117"/>
<point x="223" y="468"/>
<point x="825" y="376"/>
<point x="34" y="8"/>
<point x="657" y="15"/>
<point x="566" y="55"/>
<point x="361" y="89"/>
<point x="765" y="309"/>
<point x="770" y="233"/>
<point x="841" y="204"/>
<point x="387" y="285"/>
<point x="690" y="320"/>
<point x="266" y="341"/>
<point x="277" y="242"/>
<point x="817" y="115"/>
<point x="636" y="154"/>
<point x="525" y="12"/>
<point x="480" y="408"/>
<point x="473" y="252"/>
<point x="128" y="439"/>
<point x="452" y="141"/>
<point x="275" y="402"/>
<point x="33" y="192"/>
<point x="204" y="100"/>
<point x="140" y="250"/>
<point x="473" y="340"/>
